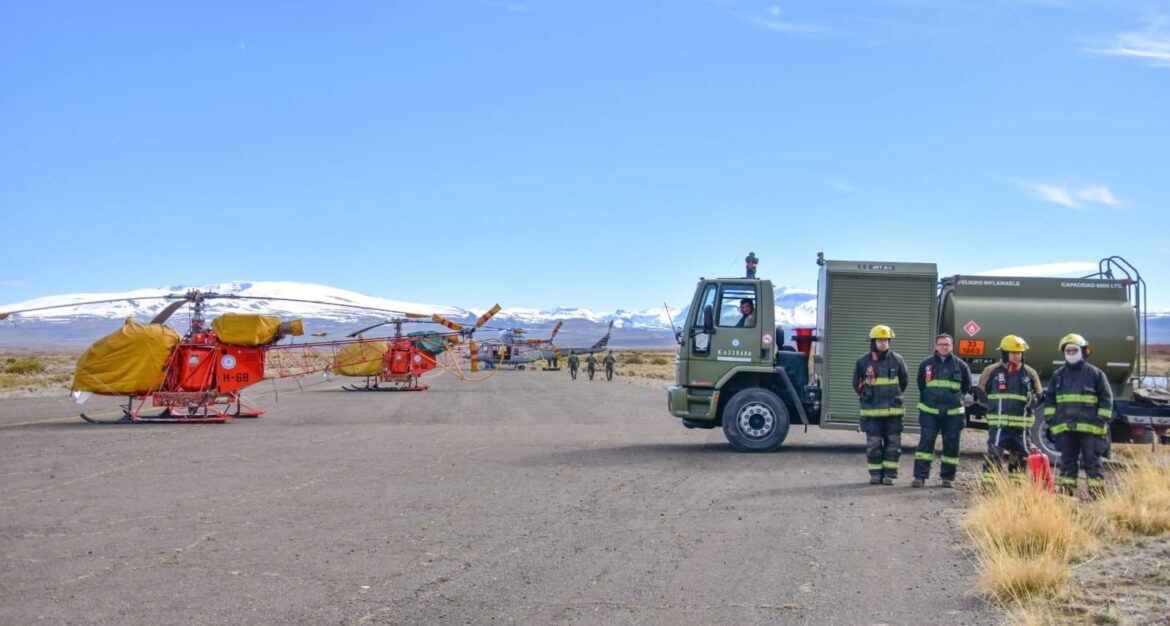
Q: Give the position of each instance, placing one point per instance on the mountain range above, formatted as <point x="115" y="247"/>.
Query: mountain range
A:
<point x="63" y="322"/>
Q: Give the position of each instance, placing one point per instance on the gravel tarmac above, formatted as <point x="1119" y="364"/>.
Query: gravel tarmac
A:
<point x="524" y="498"/>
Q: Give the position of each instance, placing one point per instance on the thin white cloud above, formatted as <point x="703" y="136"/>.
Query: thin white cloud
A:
<point x="1099" y="194"/>
<point x="514" y="7"/>
<point x="1072" y="197"/>
<point x="1054" y="194"/>
<point x="840" y="184"/>
<point x="770" y="24"/>
<point x="1151" y="44"/>
<point x="13" y="283"/>
<point x="1067" y="268"/>
<point x="771" y="21"/>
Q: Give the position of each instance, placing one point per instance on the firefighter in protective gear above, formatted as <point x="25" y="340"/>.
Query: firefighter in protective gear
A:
<point x="943" y="380"/>
<point x="1078" y="407"/>
<point x="880" y="377"/>
<point x="1012" y="390"/>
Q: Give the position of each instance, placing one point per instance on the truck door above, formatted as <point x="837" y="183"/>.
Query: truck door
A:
<point x="726" y="330"/>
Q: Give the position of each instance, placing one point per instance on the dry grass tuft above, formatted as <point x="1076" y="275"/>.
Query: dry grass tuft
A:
<point x="1025" y="539"/>
<point x="1020" y="581"/>
<point x="1140" y="500"/>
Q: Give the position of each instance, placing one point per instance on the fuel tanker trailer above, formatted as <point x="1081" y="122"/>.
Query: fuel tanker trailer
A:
<point x="1106" y="308"/>
<point x="739" y="372"/>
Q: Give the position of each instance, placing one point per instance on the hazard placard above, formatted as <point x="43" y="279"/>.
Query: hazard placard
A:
<point x="972" y="328"/>
<point x="970" y="347"/>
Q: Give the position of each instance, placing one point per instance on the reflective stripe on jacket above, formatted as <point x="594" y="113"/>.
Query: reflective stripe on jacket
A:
<point x="1008" y="393"/>
<point x="1079" y="399"/>
<point x="941" y="385"/>
<point x="880" y="379"/>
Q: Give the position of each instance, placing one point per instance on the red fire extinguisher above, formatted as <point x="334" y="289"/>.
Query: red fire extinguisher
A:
<point x="1039" y="469"/>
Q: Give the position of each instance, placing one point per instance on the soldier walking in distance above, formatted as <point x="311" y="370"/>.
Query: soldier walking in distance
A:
<point x="880" y="377"/>
<point x="1012" y="390"/>
<point x="943" y="383"/>
<point x="609" y="363"/>
<point x="591" y="365"/>
<point x="1078" y="407"/>
<point x="574" y="362"/>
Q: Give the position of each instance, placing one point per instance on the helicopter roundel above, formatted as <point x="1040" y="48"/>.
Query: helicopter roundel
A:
<point x="227" y="362"/>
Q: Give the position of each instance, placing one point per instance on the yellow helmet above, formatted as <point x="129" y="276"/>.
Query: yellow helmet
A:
<point x="1013" y="343"/>
<point x="881" y="331"/>
<point x="1073" y="338"/>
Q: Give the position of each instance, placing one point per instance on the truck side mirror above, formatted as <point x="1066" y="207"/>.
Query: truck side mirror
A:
<point x="709" y="319"/>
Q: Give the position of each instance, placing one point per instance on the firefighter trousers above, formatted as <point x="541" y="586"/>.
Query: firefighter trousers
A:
<point x="883" y="445"/>
<point x="1077" y="449"/>
<point x="951" y="427"/>
<point x="1005" y="443"/>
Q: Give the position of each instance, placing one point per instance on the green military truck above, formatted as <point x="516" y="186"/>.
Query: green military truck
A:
<point x="739" y="373"/>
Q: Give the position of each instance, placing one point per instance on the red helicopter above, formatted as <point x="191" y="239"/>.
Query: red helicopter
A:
<point x="402" y="360"/>
<point x="198" y="377"/>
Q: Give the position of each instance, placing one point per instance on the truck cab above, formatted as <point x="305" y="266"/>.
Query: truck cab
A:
<point x="733" y="370"/>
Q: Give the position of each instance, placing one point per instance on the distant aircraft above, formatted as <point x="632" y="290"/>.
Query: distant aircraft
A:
<point x="517" y="350"/>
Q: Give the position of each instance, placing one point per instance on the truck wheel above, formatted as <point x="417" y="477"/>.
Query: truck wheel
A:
<point x="755" y="420"/>
<point x="1146" y="436"/>
<point x="1040" y="436"/>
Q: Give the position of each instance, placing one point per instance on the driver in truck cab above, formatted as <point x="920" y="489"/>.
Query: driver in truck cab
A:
<point x="748" y="310"/>
<point x="880" y="377"/>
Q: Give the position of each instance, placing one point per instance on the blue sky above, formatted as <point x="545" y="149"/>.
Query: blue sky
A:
<point x="600" y="154"/>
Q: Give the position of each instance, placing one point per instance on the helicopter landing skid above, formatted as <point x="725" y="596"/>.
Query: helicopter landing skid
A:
<point x="166" y="417"/>
<point x="372" y="388"/>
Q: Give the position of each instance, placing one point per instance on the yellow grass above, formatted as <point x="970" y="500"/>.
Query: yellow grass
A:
<point x="1025" y="538"/>
<point x="1139" y="502"/>
<point x="645" y="363"/>
<point x="55" y="370"/>
<point x="1158" y="358"/>
<point x="1020" y="580"/>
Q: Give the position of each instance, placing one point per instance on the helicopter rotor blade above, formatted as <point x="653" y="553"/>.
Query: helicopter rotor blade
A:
<point x="336" y="304"/>
<point x="167" y="312"/>
<point x="358" y="332"/>
<point x="556" y="329"/>
<point x="487" y="316"/>
<point x="6" y="314"/>
<point x="442" y="321"/>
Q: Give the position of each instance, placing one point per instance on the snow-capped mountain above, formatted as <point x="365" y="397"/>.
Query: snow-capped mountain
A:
<point x="63" y="321"/>
<point x="66" y="321"/>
